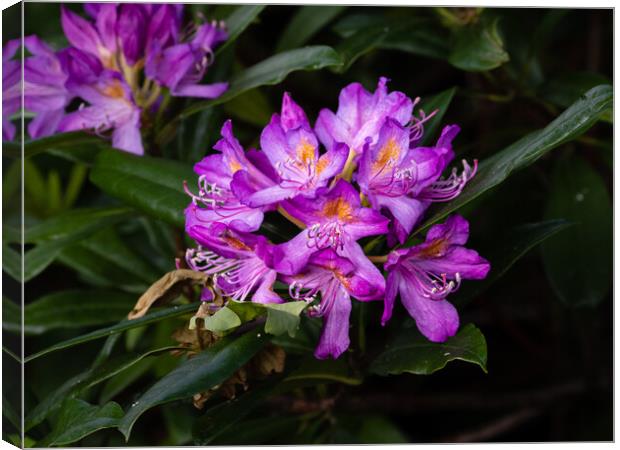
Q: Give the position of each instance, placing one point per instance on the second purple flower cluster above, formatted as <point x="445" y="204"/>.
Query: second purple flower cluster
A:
<point x="372" y="178"/>
<point x="121" y="65"/>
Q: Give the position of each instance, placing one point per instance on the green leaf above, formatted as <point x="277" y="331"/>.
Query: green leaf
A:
<point x="151" y="185"/>
<point x="74" y="224"/>
<point x="478" y="48"/>
<point x="149" y="318"/>
<point x="60" y="140"/>
<point x="283" y="317"/>
<point x="200" y="373"/>
<point x="78" y="419"/>
<point x="85" y="380"/>
<point x="105" y="260"/>
<point x="37" y="259"/>
<point x="360" y="43"/>
<point x="76" y="309"/>
<point x="439" y="103"/>
<point x="494" y="170"/>
<point x="579" y="261"/>
<point x="505" y="251"/>
<point x="307" y="21"/>
<point x="271" y="71"/>
<point x="61" y="230"/>
<point x="223" y="320"/>
<point x="412" y="353"/>
<point x="238" y="21"/>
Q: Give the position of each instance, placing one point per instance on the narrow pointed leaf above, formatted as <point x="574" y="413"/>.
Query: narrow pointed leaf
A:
<point x="494" y="170"/>
<point x="152" y="317"/>
<point x="207" y="369"/>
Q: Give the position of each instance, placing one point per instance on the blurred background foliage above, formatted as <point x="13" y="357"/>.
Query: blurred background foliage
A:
<point x="503" y="73"/>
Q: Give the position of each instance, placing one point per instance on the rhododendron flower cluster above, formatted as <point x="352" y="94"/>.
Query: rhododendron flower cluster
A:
<point x="371" y="177"/>
<point x="122" y="65"/>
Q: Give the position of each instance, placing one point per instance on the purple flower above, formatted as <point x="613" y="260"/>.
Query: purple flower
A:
<point x="215" y="201"/>
<point x="360" y="116"/>
<point x="427" y="273"/>
<point x="11" y="87"/>
<point x="404" y="180"/>
<point x="336" y="220"/>
<point x="292" y="149"/>
<point x="240" y="262"/>
<point x="337" y="279"/>
<point x="181" y="67"/>
<point x="98" y="40"/>
<point x="112" y="107"/>
<point x="44" y="88"/>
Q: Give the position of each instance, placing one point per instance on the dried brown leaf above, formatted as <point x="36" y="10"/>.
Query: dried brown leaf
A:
<point x="166" y="289"/>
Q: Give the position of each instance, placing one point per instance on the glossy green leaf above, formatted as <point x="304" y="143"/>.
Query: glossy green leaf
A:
<point x="305" y="23"/>
<point x="478" y="48"/>
<point x="151" y="185"/>
<point x="105" y="260"/>
<point x="440" y="103"/>
<point x="362" y="42"/>
<point x="238" y="21"/>
<point x="76" y="309"/>
<point x="579" y="261"/>
<point x="412" y="353"/>
<point x="151" y="317"/>
<point x="494" y="170"/>
<point x="268" y="72"/>
<point x="74" y="224"/>
<point x="78" y="419"/>
<point x="200" y="373"/>
<point x="61" y="140"/>
<point x="504" y="252"/>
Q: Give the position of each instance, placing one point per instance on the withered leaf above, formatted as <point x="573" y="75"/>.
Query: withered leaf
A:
<point x="166" y="289"/>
